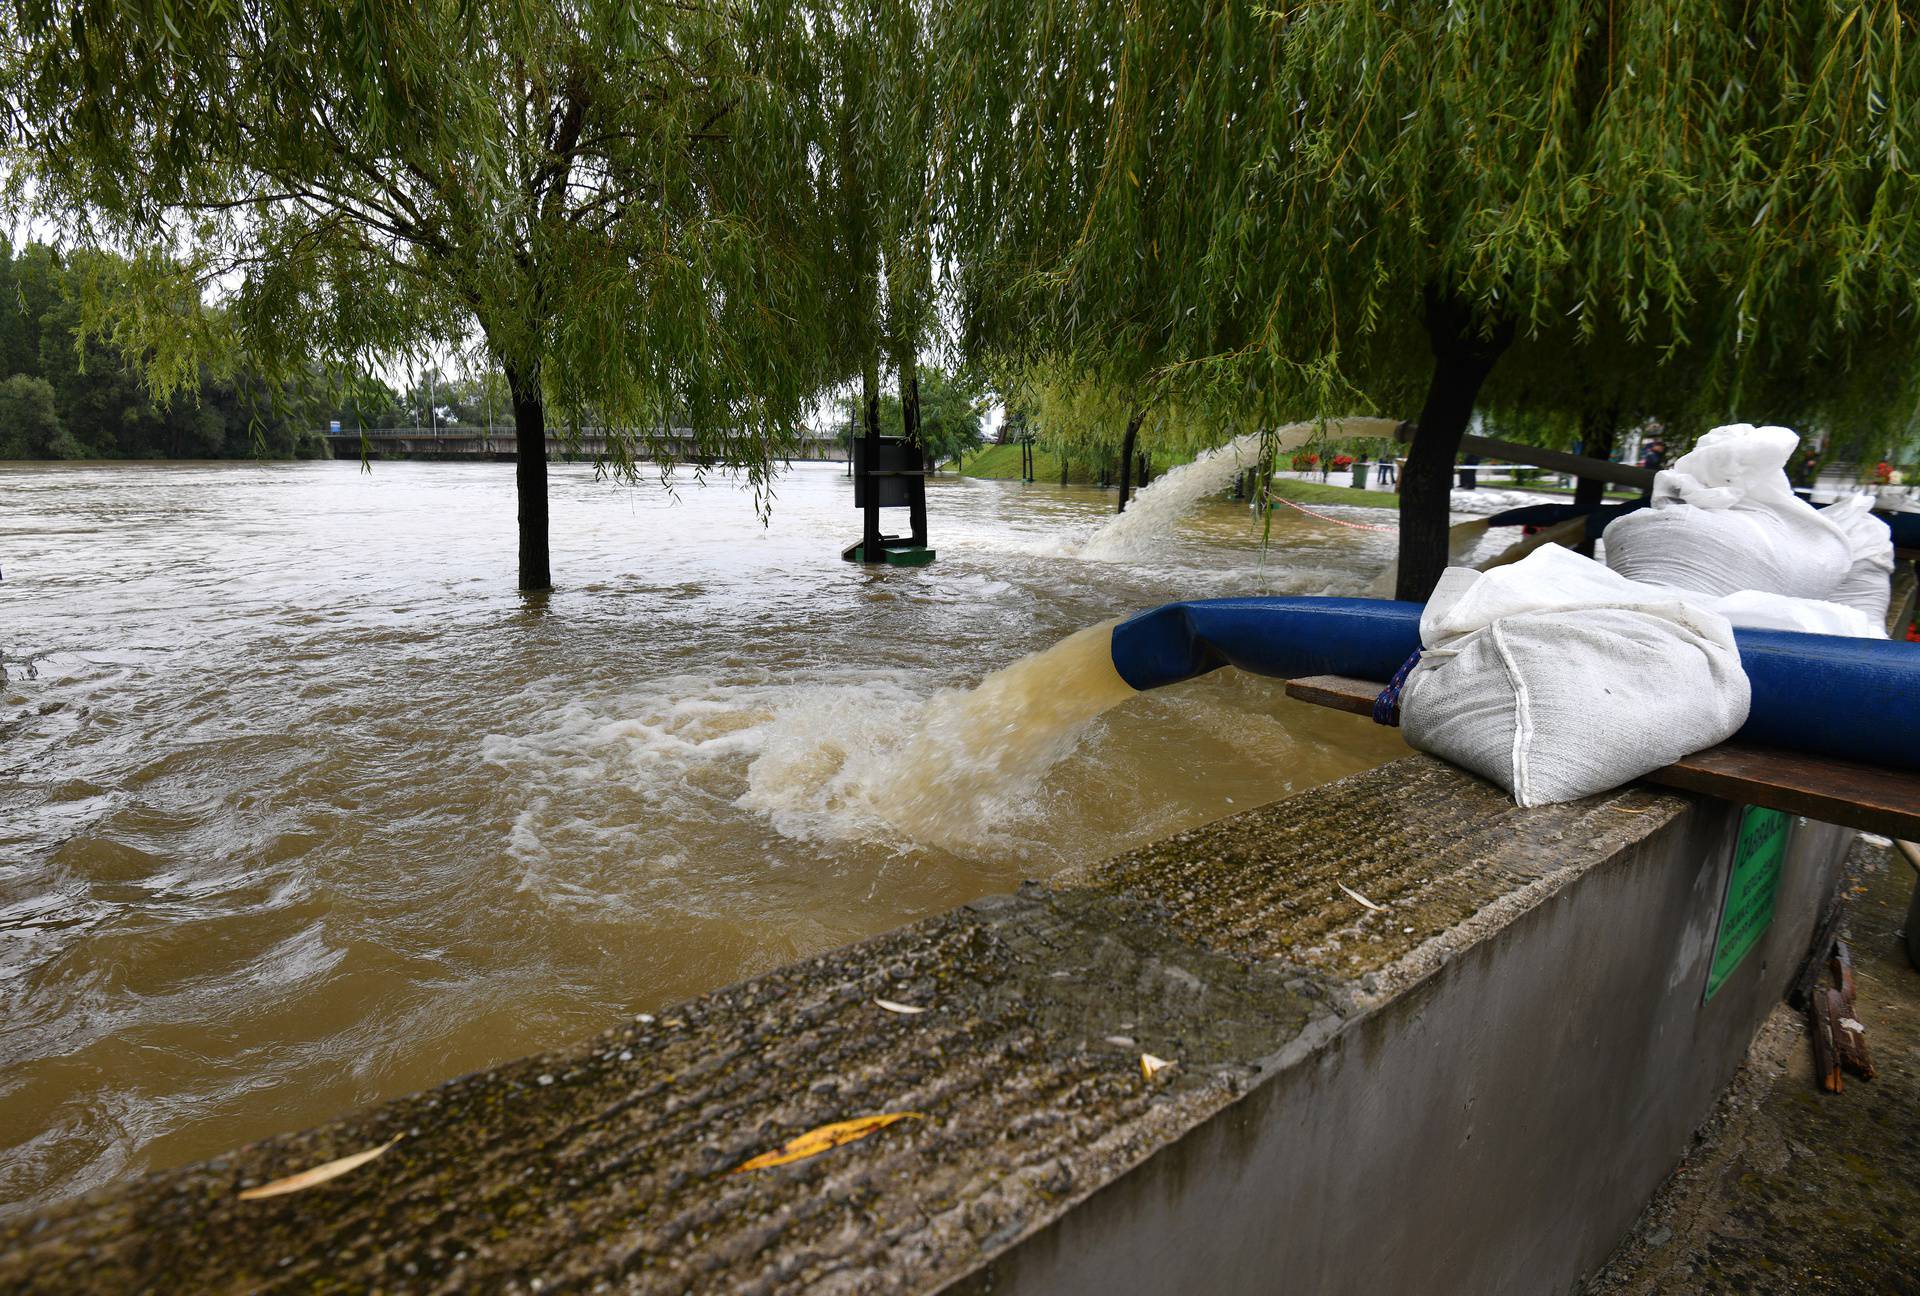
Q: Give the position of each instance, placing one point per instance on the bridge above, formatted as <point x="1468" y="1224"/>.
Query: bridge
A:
<point x="478" y="443"/>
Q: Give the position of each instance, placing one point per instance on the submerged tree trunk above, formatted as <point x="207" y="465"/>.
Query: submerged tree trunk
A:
<point x="1463" y="356"/>
<point x="870" y="548"/>
<point x="1126" y="456"/>
<point x="1597" y="430"/>
<point x="530" y="476"/>
<point x="916" y="453"/>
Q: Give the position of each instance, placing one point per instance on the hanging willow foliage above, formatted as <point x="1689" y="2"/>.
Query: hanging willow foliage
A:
<point x="619" y="195"/>
<point x="1281" y="210"/>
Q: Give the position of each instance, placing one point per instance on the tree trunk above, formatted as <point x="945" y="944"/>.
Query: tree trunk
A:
<point x="1126" y="456"/>
<point x="870" y="549"/>
<point x="1063" y="465"/>
<point x="1597" y="429"/>
<point x="916" y="453"/>
<point x="530" y="476"/>
<point x="1146" y="470"/>
<point x="1463" y="356"/>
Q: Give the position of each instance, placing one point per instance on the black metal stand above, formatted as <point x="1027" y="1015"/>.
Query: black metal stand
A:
<point x="890" y="472"/>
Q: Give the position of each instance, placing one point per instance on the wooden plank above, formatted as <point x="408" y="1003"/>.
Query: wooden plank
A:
<point x="1579" y="465"/>
<point x="1337" y="692"/>
<point x="1833" y="791"/>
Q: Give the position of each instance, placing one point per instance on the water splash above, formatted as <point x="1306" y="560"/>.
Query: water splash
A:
<point x="957" y="770"/>
<point x="978" y="751"/>
<point x="1143" y="530"/>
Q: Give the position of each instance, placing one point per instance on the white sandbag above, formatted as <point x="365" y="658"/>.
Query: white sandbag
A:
<point x="1757" y="611"/>
<point x="1556" y="678"/>
<point x="1868" y="582"/>
<point x="1724" y="518"/>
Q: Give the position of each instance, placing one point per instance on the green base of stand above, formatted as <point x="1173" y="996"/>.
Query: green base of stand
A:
<point x="894" y="555"/>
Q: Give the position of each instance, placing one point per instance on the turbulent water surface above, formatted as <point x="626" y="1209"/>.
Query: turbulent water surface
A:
<point x="303" y="805"/>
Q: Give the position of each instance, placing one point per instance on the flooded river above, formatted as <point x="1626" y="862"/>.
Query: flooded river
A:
<point x="306" y="806"/>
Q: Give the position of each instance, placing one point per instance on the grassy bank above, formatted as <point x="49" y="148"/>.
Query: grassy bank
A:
<point x="1002" y="463"/>
<point x="1307" y="492"/>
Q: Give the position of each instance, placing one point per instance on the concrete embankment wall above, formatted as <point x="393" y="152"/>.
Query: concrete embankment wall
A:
<point x="1496" y="1127"/>
<point x="1469" y="1082"/>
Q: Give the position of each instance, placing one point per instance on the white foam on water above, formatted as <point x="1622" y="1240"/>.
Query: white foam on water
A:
<point x="878" y="757"/>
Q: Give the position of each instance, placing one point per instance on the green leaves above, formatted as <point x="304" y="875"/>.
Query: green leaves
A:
<point x="615" y="196"/>
<point x="1210" y="198"/>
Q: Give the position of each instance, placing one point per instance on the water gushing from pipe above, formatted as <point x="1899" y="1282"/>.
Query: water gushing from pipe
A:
<point x="1143" y="529"/>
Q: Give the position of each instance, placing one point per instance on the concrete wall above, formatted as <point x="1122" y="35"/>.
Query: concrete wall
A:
<point x="1496" y="1128"/>
<point x="1469" y="1083"/>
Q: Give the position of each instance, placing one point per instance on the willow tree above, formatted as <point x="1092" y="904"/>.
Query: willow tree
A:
<point x="1355" y="203"/>
<point x="615" y="194"/>
<point x="878" y="78"/>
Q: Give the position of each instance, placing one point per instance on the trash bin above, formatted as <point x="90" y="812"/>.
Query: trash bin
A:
<point x="1359" y="474"/>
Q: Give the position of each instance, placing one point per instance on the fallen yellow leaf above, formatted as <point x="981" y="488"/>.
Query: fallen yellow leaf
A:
<point x="318" y="1175"/>
<point x="824" y="1139"/>
<point x="1151" y="1065"/>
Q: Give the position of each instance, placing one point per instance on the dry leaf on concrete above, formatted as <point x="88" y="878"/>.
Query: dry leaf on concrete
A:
<point x="824" y="1139"/>
<point x="318" y="1175"/>
<point x="893" y="1007"/>
<point x="1356" y="896"/>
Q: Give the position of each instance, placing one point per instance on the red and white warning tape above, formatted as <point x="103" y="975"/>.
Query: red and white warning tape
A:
<point x="1357" y="526"/>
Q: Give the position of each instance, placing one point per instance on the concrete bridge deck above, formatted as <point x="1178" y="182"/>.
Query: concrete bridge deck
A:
<point x="1422" y="1041"/>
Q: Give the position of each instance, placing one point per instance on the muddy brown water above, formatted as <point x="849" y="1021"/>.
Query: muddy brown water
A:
<point x="305" y="806"/>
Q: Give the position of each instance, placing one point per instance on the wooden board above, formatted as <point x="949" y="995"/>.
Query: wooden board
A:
<point x="1832" y="791"/>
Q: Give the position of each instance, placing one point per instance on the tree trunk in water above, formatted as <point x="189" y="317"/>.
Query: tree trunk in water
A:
<point x="530" y="476"/>
<point x="916" y="454"/>
<point x="1126" y="456"/>
<point x="870" y="550"/>
<point x="1146" y="472"/>
<point x="1063" y="467"/>
<point x="1463" y="356"/>
<point x="1597" y="428"/>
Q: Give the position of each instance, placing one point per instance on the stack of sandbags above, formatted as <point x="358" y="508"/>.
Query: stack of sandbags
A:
<point x="1556" y="678"/>
<point x="1868" y="583"/>
<point x="1725" y="522"/>
<point x="1725" y="519"/>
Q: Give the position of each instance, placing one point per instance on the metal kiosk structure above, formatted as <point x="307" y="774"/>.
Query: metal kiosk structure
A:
<point x="890" y="472"/>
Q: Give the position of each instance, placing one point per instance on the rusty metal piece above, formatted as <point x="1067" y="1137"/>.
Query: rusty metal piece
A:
<point x="1841" y="964"/>
<point x="1828" y="933"/>
<point x="1826" y="1049"/>
<point x="1850" y="1042"/>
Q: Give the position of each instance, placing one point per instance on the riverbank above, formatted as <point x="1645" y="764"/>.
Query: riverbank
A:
<point x="1003" y="463"/>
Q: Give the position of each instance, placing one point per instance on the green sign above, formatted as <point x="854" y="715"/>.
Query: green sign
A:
<point x="1748" y="911"/>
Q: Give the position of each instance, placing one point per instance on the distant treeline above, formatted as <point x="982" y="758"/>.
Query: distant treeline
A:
<point x="63" y="400"/>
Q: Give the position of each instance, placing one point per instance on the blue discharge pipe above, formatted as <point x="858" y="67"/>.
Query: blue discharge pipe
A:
<point x="1856" y="699"/>
<point x="1547" y="514"/>
<point x="1905" y="528"/>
